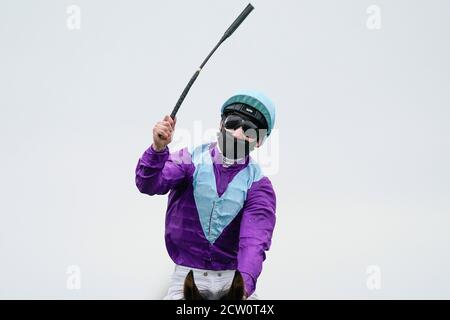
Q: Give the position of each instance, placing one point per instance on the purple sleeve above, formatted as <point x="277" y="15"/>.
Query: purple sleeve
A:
<point x="158" y="172"/>
<point x="257" y="224"/>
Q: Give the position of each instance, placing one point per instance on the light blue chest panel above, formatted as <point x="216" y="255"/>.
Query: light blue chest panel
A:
<point x="216" y="212"/>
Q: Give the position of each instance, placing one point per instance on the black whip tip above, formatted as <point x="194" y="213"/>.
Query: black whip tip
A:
<point x="238" y="21"/>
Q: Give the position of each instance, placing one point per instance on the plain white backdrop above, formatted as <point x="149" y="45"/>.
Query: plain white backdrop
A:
<point x="362" y="178"/>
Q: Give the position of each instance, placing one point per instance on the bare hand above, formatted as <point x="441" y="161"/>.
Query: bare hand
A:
<point x="163" y="133"/>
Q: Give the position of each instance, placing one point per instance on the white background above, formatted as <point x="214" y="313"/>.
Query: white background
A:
<point x="363" y="149"/>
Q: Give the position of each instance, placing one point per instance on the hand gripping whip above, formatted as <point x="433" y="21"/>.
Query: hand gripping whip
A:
<point x="227" y="33"/>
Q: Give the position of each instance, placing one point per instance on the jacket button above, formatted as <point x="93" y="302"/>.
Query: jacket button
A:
<point x="219" y="274"/>
<point x="205" y="274"/>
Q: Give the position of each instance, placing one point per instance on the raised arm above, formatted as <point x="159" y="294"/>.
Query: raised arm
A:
<point x="157" y="170"/>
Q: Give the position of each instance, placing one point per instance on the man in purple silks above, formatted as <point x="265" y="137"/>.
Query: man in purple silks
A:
<point x="221" y="208"/>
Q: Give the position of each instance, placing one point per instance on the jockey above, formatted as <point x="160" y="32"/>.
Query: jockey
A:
<point x="221" y="208"/>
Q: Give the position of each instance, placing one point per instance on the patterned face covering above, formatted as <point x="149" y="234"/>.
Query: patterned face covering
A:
<point x="232" y="147"/>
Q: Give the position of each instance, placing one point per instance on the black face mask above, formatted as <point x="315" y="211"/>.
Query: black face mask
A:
<point x="232" y="147"/>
